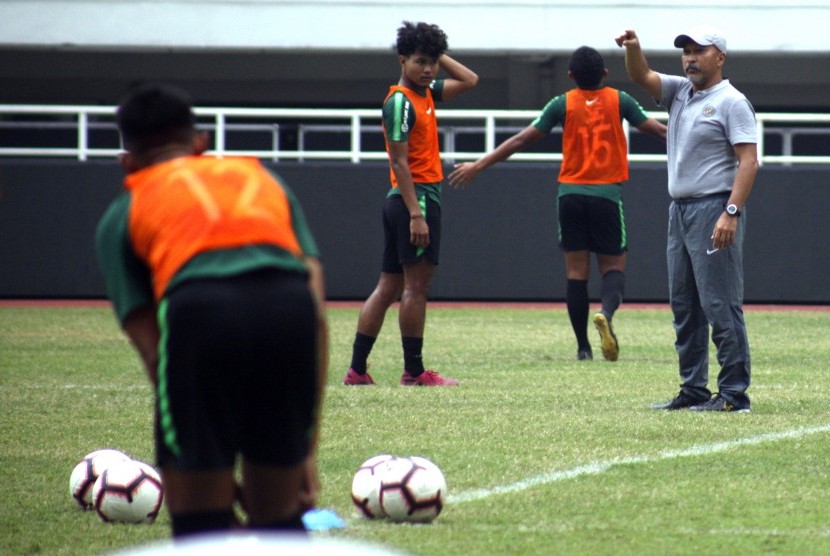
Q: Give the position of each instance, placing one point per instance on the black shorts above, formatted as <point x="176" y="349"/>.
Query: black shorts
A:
<point x="397" y="249"/>
<point x="238" y="371"/>
<point x="588" y="223"/>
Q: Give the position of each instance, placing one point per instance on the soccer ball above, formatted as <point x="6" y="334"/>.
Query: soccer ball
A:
<point x="128" y="492"/>
<point x="412" y="489"/>
<point x="366" y="485"/>
<point x="87" y="471"/>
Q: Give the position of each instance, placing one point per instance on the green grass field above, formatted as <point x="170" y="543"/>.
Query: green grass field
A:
<point x="542" y="454"/>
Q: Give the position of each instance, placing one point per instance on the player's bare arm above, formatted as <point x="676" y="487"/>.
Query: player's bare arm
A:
<point x="637" y="65"/>
<point x="461" y="78"/>
<point x="399" y="159"/>
<point x="466" y="172"/>
<point x="141" y="327"/>
<point x="653" y="127"/>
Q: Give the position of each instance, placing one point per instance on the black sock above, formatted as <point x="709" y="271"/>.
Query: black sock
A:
<point x="413" y="362"/>
<point x="613" y="287"/>
<point x="578" y="307"/>
<point x="192" y="523"/>
<point x="361" y="349"/>
<point x="294" y="525"/>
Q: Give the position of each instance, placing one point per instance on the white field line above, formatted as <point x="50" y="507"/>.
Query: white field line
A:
<point x="598" y="467"/>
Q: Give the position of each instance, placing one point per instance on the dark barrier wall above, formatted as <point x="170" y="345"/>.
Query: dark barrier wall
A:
<point x="499" y="234"/>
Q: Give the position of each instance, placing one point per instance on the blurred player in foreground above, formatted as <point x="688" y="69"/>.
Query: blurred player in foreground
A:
<point x="712" y="164"/>
<point x="412" y="210"/>
<point x="589" y="204"/>
<point x="215" y="279"/>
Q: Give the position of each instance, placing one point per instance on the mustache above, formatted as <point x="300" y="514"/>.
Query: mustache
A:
<point x="692" y="67"/>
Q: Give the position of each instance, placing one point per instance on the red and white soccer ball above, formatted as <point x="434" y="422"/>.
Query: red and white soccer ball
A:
<point x="366" y="485"/>
<point x="128" y="492"/>
<point x="88" y="470"/>
<point x="412" y="489"/>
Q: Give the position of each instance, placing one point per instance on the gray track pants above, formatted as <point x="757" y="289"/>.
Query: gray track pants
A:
<point x="706" y="288"/>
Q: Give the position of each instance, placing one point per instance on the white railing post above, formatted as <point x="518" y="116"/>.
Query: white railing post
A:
<point x="355" y="143"/>
<point x="489" y="133"/>
<point x="83" y="144"/>
<point x="300" y="142"/>
<point x="220" y="135"/>
<point x="449" y="144"/>
<point x="787" y="143"/>
<point x="275" y="143"/>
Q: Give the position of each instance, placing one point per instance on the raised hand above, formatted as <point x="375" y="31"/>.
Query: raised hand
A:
<point x="627" y="38"/>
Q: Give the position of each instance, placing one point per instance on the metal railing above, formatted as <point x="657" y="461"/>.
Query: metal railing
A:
<point x="86" y="132"/>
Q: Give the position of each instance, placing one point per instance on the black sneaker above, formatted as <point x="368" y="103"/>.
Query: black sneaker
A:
<point x="680" y="401"/>
<point x="719" y="403"/>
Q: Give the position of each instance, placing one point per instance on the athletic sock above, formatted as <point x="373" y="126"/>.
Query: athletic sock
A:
<point x="413" y="362"/>
<point x="191" y="523"/>
<point x="613" y="287"/>
<point x="294" y="525"/>
<point x="578" y="307"/>
<point x="361" y="349"/>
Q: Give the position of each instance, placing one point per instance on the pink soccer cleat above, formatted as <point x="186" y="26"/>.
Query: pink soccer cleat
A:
<point x="353" y="378"/>
<point x="427" y="378"/>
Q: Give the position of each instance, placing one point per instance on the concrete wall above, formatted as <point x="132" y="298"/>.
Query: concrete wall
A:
<point x="308" y="79"/>
<point x="499" y="235"/>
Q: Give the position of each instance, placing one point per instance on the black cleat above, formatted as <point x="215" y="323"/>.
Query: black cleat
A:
<point x="680" y="401"/>
<point x="719" y="403"/>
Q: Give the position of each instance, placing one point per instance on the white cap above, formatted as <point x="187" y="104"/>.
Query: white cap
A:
<point x="704" y="36"/>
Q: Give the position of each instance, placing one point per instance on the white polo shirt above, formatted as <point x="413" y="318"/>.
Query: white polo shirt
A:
<point x="703" y="127"/>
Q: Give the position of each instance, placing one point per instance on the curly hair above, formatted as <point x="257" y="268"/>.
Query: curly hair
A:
<point x="587" y="66"/>
<point x="421" y="37"/>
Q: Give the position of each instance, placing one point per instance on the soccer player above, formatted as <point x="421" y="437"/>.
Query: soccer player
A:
<point x="590" y="208"/>
<point x="412" y="210"/>
<point x="214" y="277"/>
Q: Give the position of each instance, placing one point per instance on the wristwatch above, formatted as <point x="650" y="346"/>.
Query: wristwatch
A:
<point x="732" y="210"/>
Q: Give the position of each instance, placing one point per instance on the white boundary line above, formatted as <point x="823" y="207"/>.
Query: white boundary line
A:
<point x="598" y="467"/>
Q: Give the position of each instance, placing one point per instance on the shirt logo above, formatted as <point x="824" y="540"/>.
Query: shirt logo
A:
<point x="405" y="122"/>
<point x="709" y="110"/>
<point x="592" y="101"/>
<point x="429" y="110"/>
